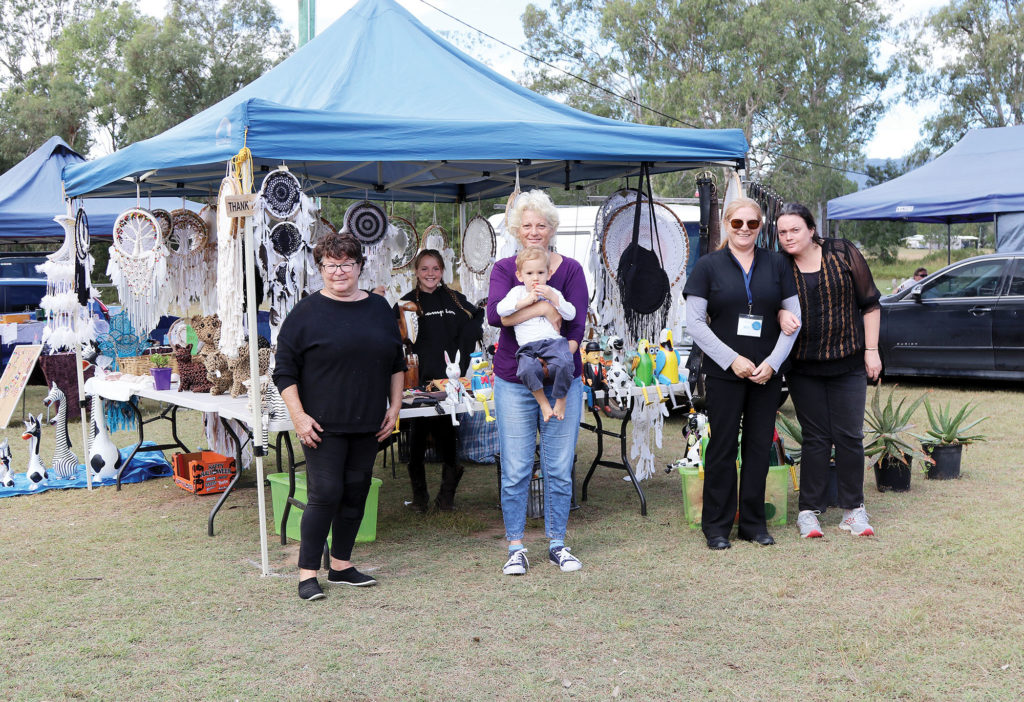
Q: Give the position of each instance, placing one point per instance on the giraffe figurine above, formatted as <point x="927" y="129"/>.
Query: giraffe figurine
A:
<point x="65" y="463"/>
<point x="35" y="472"/>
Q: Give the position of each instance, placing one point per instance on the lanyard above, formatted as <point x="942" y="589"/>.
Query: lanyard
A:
<point x="747" y="275"/>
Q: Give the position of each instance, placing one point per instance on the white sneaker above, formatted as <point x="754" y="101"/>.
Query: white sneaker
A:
<point x="517" y="564"/>
<point x="807" y="520"/>
<point x="855" y="521"/>
<point x="564" y="560"/>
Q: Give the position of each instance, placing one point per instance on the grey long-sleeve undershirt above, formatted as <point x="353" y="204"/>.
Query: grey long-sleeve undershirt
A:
<point x="719" y="352"/>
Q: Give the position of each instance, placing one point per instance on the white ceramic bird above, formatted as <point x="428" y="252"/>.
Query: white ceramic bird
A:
<point x="6" y="476"/>
<point x="104" y="458"/>
<point x="35" y="473"/>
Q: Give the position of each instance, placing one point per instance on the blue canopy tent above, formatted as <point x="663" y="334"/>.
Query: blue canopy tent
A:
<point x="31" y="195"/>
<point x="379" y="106"/>
<point x="977" y="180"/>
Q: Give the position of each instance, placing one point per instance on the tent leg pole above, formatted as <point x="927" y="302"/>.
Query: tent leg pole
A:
<point x="949" y="244"/>
<point x="254" y="394"/>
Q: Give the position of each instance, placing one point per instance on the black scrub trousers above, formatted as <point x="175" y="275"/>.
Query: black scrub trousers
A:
<point x="735" y="403"/>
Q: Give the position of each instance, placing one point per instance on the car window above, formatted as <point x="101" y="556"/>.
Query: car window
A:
<point x="1017" y="279"/>
<point x="21" y="268"/>
<point x="979" y="279"/>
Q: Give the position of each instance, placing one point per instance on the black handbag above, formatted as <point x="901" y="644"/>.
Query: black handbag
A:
<point x="643" y="283"/>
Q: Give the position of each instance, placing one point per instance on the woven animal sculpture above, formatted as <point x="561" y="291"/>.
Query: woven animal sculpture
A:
<point x="191" y="373"/>
<point x="6" y="476"/>
<point x="35" y="471"/>
<point x="218" y="370"/>
<point x="65" y="463"/>
<point x="207" y="330"/>
<point x="104" y="458"/>
<point x="240" y="368"/>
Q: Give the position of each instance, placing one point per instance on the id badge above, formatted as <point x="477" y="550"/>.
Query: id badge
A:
<point x="749" y="325"/>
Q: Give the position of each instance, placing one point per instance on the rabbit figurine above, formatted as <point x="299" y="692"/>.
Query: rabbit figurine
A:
<point x="456" y="391"/>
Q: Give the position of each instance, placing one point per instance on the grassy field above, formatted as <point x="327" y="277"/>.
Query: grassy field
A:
<point x="108" y="595"/>
<point x="889" y="275"/>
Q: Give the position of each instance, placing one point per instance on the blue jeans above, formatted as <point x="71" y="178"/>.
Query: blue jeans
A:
<point x="519" y="420"/>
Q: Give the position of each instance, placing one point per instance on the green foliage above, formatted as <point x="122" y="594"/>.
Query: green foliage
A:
<point x="791" y="433"/>
<point x="889" y="426"/>
<point x="948" y="427"/>
<point x="807" y="90"/>
<point x="159" y="360"/>
<point x="970" y="55"/>
<point x="880" y="239"/>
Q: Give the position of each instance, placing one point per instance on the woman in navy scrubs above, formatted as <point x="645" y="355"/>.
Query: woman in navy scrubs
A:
<point x="733" y="298"/>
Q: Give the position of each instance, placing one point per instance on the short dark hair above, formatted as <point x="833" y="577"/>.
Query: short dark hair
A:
<point x="921" y="271"/>
<point x="801" y="211"/>
<point x="338" y="245"/>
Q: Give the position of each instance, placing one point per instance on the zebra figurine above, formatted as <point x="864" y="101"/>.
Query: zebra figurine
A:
<point x="65" y="463"/>
<point x="272" y="407"/>
<point x="35" y="472"/>
<point x="6" y="476"/>
<point x="104" y="458"/>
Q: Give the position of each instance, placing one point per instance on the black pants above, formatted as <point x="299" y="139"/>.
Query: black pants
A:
<point x="831" y="414"/>
<point x="443" y="431"/>
<point x="338" y="473"/>
<point x="732" y="404"/>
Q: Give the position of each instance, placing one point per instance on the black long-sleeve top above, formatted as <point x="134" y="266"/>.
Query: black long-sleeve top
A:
<point x="341" y="355"/>
<point x="448" y="323"/>
<point x="834" y="301"/>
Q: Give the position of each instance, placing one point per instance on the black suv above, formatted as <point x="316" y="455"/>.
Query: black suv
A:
<point x="21" y="285"/>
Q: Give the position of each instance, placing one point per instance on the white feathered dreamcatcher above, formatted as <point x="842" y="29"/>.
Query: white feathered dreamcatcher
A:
<point x="68" y="288"/>
<point x="188" y="277"/>
<point x="138" y="267"/>
<point x="478" y="250"/>
<point x="404" y="244"/>
<point x="230" y="268"/>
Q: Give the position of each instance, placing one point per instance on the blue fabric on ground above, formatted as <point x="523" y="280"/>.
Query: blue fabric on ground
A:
<point x="145" y="465"/>
<point x="478" y="438"/>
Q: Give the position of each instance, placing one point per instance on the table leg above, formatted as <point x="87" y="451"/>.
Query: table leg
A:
<point x="623" y="462"/>
<point x="139" y="424"/>
<point x="238" y="472"/>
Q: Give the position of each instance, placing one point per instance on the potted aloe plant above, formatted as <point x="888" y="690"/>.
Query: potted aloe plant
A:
<point x="160" y="371"/>
<point x="793" y="434"/>
<point x="946" y="437"/>
<point x="886" y="438"/>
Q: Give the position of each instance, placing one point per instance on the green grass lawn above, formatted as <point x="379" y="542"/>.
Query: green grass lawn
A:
<point x="108" y="595"/>
<point x="912" y="259"/>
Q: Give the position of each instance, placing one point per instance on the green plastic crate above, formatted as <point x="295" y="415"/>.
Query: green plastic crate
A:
<point x="279" y="497"/>
<point x="776" y="495"/>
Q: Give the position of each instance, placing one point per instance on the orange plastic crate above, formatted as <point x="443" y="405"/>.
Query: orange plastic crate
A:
<point x="203" y="473"/>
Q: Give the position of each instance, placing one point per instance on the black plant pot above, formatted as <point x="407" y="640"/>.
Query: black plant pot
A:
<point x="890" y="474"/>
<point x="947" y="460"/>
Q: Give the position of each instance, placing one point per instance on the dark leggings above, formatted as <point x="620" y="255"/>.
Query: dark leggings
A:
<point x="831" y="413"/>
<point x="443" y="431"/>
<point x="338" y="473"/>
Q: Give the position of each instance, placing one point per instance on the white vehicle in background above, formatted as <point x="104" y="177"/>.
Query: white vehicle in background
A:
<point x="915" y="242"/>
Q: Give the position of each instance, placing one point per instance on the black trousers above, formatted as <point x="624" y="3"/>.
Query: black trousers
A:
<point x="338" y="473"/>
<point x="444" y="433"/>
<point x="831" y="414"/>
<point x="733" y="404"/>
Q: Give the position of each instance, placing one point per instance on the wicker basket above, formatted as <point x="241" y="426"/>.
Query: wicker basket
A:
<point x="140" y="365"/>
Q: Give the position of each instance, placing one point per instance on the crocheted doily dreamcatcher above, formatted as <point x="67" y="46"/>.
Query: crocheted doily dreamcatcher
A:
<point x="478" y="250"/>
<point x="280" y="193"/>
<point x="138" y="266"/>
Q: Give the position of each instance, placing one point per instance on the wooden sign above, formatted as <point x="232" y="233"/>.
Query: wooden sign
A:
<point x="15" y="378"/>
<point x="240" y="205"/>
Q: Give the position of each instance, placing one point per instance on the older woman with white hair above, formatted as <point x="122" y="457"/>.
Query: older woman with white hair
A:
<point x="534" y="221"/>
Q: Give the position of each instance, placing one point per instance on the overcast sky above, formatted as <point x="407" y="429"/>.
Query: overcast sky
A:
<point x="896" y="133"/>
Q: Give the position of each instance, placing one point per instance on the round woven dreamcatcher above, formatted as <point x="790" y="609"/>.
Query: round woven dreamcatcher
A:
<point x="166" y="222"/>
<point x="478" y="247"/>
<point x="366" y="222"/>
<point x="435" y="237"/>
<point x="321" y="228"/>
<point x="82" y="257"/>
<point x="177" y="335"/>
<point x="280" y="193"/>
<point x="285" y="238"/>
<point x="136" y="232"/>
<point x="406" y="244"/>
<point x="669" y="242"/>
<point x="139" y="252"/>
<point x="626" y="196"/>
<point x="188" y="232"/>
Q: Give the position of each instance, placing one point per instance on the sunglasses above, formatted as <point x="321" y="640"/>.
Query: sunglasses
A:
<point x="752" y="224"/>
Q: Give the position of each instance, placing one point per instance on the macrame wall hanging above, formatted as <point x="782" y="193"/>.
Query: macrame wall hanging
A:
<point x="68" y="287"/>
<point x="188" y="276"/>
<point x="208" y="295"/>
<point x="230" y="268"/>
<point x="138" y="267"/>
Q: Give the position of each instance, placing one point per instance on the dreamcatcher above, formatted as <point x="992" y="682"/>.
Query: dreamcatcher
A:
<point x="187" y="274"/>
<point x="403" y="244"/>
<point x="368" y="223"/>
<point x="166" y="222"/>
<point x="230" y="269"/>
<point x="280" y="193"/>
<point x="603" y="283"/>
<point x="67" y="282"/>
<point x="478" y="251"/>
<point x="138" y="266"/>
<point x="208" y="296"/>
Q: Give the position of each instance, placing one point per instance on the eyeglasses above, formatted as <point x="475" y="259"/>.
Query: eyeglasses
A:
<point x="752" y="224"/>
<point x="332" y="268"/>
<point x="920" y="276"/>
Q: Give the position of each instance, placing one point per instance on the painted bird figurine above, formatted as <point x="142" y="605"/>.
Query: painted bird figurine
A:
<point x="65" y="462"/>
<point x="104" y="458"/>
<point x="643" y="370"/>
<point x="35" y="473"/>
<point x="666" y="363"/>
<point x="6" y="476"/>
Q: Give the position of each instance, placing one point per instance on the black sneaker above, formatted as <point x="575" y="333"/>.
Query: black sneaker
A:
<point x="349" y="576"/>
<point x="309" y="590"/>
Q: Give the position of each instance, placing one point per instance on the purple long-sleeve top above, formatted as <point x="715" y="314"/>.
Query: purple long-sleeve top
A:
<point x="568" y="280"/>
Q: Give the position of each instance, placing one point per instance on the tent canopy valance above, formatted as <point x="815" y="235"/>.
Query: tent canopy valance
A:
<point x="379" y="106"/>
<point x="977" y="178"/>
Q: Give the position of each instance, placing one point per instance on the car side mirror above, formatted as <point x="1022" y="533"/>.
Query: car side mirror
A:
<point x="916" y="292"/>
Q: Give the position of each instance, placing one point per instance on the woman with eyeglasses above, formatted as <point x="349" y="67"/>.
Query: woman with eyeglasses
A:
<point x="340" y="369"/>
<point x="836" y="353"/>
<point x="733" y="297"/>
<point x="447" y="322"/>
